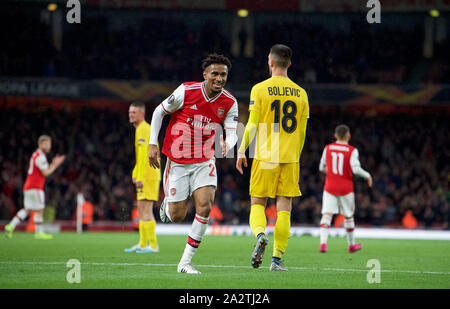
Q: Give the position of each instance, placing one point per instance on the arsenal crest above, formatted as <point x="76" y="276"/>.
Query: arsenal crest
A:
<point x="173" y="191"/>
<point x="220" y="111"/>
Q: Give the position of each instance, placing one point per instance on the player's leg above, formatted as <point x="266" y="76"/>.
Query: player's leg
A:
<point x="142" y="240"/>
<point x="257" y="218"/>
<point x="148" y="242"/>
<point x="287" y="188"/>
<point x="258" y="222"/>
<point x="325" y="223"/>
<point x="204" y="198"/>
<point x="348" y="209"/>
<point x="20" y="216"/>
<point x="151" y="195"/>
<point x="38" y="221"/>
<point x="282" y="231"/>
<point x="203" y="184"/>
<point x="176" y="189"/>
<point x="262" y="186"/>
<point x="143" y="210"/>
<point x="329" y="207"/>
<point x="38" y="206"/>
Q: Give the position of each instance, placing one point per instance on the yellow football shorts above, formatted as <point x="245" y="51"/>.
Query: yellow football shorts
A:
<point x="149" y="191"/>
<point x="274" y="179"/>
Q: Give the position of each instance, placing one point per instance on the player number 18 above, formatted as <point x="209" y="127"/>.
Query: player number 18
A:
<point x="287" y="115"/>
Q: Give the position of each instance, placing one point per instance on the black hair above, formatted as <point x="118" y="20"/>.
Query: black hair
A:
<point x="216" y="59"/>
<point x="281" y="55"/>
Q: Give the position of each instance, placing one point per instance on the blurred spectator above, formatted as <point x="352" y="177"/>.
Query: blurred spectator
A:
<point x="407" y="154"/>
<point x="409" y="221"/>
<point x="155" y="46"/>
<point x="216" y="215"/>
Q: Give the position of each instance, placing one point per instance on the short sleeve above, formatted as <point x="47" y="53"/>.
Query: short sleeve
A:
<point x="42" y="163"/>
<point x="305" y="101"/>
<point x="175" y="101"/>
<point x="255" y="99"/>
<point x="231" y="119"/>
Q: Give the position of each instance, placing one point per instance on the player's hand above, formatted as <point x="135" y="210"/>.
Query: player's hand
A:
<point x="370" y="181"/>
<point x="224" y="146"/>
<point x="139" y="184"/>
<point x="154" y="156"/>
<point x="241" y="158"/>
<point x="133" y="180"/>
<point x="58" y="160"/>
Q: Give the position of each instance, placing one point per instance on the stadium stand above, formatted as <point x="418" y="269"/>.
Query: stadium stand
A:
<point x="410" y="168"/>
<point x="155" y="45"/>
<point x="406" y="150"/>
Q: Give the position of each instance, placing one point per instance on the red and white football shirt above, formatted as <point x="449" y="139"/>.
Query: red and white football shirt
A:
<point x="336" y="158"/>
<point x="35" y="178"/>
<point x="194" y="121"/>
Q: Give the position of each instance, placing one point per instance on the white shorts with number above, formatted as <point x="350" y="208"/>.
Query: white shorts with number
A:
<point x="180" y="180"/>
<point x="34" y="199"/>
<point x="344" y="204"/>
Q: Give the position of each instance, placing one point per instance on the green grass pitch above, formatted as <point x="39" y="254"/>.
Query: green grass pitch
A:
<point x="224" y="261"/>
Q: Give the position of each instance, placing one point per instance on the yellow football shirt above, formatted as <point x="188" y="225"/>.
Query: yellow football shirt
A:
<point x="142" y="170"/>
<point x="283" y="110"/>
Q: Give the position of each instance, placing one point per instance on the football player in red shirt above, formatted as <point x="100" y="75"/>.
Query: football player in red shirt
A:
<point x="198" y="110"/>
<point x="33" y="189"/>
<point x="339" y="162"/>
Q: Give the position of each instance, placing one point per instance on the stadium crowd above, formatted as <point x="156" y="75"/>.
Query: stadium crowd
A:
<point x="407" y="156"/>
<point x="104" y="46"/>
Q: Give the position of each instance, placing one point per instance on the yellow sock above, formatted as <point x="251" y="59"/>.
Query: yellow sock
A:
<point x="258" y="219"/>
<point x="142" y="236"/>
<point x="281" y="233"/>
<point x="149" y="228"/>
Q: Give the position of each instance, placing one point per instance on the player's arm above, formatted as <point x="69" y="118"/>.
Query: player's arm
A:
<point x="303" y="120"/>
<point x="48" y="169"/>
<point x="140" y="162"/>
<point x="323" y="161"/>
<point x="302" y="127"/>
<point x="133" y="175"/>
<point x="173" y="103"/>
<point x="250" y="129"/>
<point x="230" y="124"/>
<point x="357" y="169"/>
<point x="249" y="135"/>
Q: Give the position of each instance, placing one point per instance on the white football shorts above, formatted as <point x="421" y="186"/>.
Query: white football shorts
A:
<point x="34" y="199"/>
<point x="181" y="180"/>
<point x="344" y="204"/>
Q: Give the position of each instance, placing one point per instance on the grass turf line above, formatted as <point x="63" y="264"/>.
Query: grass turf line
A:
<point x="224" y="263"/>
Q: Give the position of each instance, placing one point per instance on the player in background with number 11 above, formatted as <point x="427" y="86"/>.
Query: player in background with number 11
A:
<point x="340" y="161"/>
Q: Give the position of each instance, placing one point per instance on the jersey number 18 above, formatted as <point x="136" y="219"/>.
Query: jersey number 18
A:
<point x="287" y="115"/>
